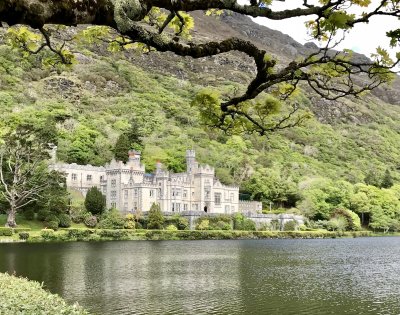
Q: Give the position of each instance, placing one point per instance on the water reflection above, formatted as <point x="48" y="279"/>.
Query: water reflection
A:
<point x="345" y="276"/>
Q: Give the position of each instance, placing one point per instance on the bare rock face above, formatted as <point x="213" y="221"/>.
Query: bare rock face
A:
<point x="336" y="112"/>
<point x="63" y="86"/>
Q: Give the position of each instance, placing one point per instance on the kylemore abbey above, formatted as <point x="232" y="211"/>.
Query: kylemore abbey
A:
<point x="129" y="188"/>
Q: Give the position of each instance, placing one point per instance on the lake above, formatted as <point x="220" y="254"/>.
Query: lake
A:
<point x="330" y="276"/>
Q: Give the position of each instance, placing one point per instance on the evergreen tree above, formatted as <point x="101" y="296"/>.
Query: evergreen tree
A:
<point x="156" y="218"/>
<point x="387" y="180"/>
<point x="95" y="202"/>
<point x="129" y="140"/>
<point x="122" y="146"/>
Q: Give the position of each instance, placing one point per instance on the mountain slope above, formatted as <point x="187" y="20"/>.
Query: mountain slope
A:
<point x="96" y="100"/>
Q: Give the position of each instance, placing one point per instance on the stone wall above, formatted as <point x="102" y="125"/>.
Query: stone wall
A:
<point x="259" y="219"/>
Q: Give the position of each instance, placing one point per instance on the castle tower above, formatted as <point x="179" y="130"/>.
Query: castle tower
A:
<point x="191" y="163"/>
<point x="134" y="157"/>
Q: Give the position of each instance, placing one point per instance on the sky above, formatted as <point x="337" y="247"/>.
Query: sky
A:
<point x="363" y="38"/>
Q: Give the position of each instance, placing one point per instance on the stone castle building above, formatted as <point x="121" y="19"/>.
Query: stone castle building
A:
<point x="128" y="188"/>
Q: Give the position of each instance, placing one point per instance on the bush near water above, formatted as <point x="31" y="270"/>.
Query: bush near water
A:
<point x="21" y="296"/>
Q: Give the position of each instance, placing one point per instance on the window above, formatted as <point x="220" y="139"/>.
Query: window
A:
<point x="101" y="178"/>
<point x="185" y="207"/>
<point x="135" y="206"/>
<point x="226" y="209"/>
<point x="151" y="193"/>
<point x="217" y="199"/>
<point x="135" y="192"/>
<point x="89" y="178"/>
<point x="176" y="206"/>
<point x="232" y="197"/>
<point x="126" y="194"/>
<point x="113" y="194"/>
<point x="159" y="191"/>
<point x="195" y="207"/>
<point x="113" y="204"/>
<point x="74" y="177"/>
<point x="184" y="193"/>
<point x="207" y="193"/>
<point x="113" y="182"/>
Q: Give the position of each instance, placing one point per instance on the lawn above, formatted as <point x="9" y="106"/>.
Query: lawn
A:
<point x="22" y="222"/>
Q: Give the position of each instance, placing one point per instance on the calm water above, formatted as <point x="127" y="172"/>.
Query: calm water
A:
<point x="340" y="276"/>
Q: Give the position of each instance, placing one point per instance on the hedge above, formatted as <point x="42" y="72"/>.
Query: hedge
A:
<point x="104" y="234"/>
<point x="21" y="296"/>
<point x="5" y="231"/>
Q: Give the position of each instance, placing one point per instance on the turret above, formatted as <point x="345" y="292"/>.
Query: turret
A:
<point x="191" y="163"/>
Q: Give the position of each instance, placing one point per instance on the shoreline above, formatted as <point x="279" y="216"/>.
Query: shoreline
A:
<point x="98" y="235"/>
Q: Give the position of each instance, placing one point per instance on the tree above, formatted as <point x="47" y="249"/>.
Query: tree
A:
<point x="121" y="23"/>
<point x="95" y="201"/>
<point x="23" y="171"/>
<point x="372" y="179"/>
<point x="387" y="180"/>
<point x="122" y="147"/>
<point x="155" y="218"/>
<point x="129" y="140"/>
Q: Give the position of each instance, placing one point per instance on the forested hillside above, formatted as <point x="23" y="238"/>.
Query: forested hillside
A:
<point x="317" y="167"/>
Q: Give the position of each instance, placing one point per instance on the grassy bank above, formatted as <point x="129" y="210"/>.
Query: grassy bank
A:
<point x="21" y="296"/>
<point x="69" y="235"/>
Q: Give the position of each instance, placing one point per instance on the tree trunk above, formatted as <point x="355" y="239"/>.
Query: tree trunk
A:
<point x="11" y="219"/>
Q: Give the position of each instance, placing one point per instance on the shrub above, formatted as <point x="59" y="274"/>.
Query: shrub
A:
<point x="238" y="221"/>
<point x="182" y="224"/>
<point x="249" y="225"/>
<point x="21" y="296"/>
<point x="155" y="218"/>
<point x="5" y="231"/>
<point x="65" y="220"/>
<point x="171" y="227"/>
<point x="338" y="223"/>
<point x="90" y="221"/>
<point x="353" y="220"/>
<point x="129" y="222"/>
<point x="203" y="225"/>
<point x="23" y="235"/>
<point x="114" y="234"/>
<point x="112" y="219"/>
<point x="221" y="225"/>
<point x="290" y="225"/>
<point x="52" y="218"/>
<point x="275" y="225"/>
<point x="139" y="225"/>
<point x="95" y="202"/>
<point x="52" y="225"/>
<point x="265" y="227"/>
<point x="29" y="214"/>
<point x="47" y="234"/>
<point x="129" y="225"/>
<point x="78" y="214"/>
<point x="79" y="234"/>
<point x="42" y="215"/>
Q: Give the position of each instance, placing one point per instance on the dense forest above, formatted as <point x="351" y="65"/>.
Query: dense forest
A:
<point x="343" y="157"/>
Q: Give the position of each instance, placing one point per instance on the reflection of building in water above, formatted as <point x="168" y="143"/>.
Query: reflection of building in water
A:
<point x="128" y="188"/>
